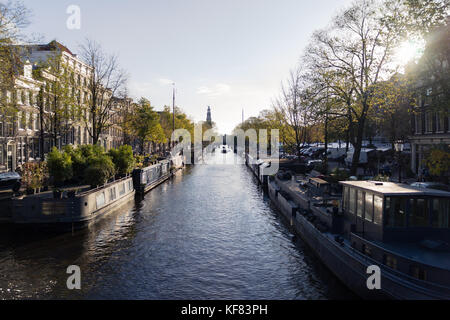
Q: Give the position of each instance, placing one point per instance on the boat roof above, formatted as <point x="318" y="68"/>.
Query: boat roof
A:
<point x="318" y="180"/>
<point x="394" y="189"/>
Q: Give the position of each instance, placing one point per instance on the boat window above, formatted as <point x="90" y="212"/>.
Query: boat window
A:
<point x="369" y="207"/>
<point x="390" y="261"/>
<point x="112" y="194"/>
<point x="130" y="185"/>
<point x="122" y="189"/>
<point x="346" y="199"/>
<point x="360" y="207"/>
<point x="377" y="210"/>
<point x="366" y="250"/>
<point x="418" y="273"/>
<point x="395" y="214"/>
<point x="100" y="200"/>
<point x="352" y="201"/>
<point x="440" y="213"/>
<point x="419" y="213"/>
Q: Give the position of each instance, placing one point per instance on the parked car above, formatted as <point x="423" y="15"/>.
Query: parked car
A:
<point x="317" y="153"/>
<point x="312" y="163"/>
<point x="10" y="180"/>
<point x="364" y="156"/>
<point x="336" y="153"/>
<point x="431" y="185"/>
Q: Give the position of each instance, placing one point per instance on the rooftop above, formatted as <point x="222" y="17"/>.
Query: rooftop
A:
<point x="392" y="189"/>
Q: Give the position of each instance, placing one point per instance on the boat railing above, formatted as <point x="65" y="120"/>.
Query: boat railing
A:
<point x="404" y="276"/>
<point x="106" y="185"/>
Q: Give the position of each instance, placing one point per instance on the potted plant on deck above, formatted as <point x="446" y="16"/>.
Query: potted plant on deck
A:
<point x="60" y="170"/>
<point x="33" y="177"/>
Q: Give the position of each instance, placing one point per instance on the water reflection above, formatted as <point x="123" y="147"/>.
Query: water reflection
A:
<point x="208" y="233"/>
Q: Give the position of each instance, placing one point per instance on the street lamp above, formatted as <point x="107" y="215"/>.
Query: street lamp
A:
<point x="399" y="145"/>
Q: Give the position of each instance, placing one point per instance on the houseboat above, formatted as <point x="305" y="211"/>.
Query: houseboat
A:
<point x="71" y="212"/>
<point x="146" y="179"/>
<point x="401" y="229"/>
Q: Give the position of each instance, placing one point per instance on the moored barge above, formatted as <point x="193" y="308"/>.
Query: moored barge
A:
<point x="146" y="179"/>
<point x="74" y="212"/>
<point x="402" y="230"/>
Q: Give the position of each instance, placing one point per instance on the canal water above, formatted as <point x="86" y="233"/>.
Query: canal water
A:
<point x="209" y="233"/>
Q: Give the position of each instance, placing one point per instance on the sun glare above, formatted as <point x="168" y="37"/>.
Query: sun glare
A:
<point x="408" y="51"/>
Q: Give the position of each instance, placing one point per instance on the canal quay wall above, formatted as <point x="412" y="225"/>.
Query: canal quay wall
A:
<point x="79" y="210"/>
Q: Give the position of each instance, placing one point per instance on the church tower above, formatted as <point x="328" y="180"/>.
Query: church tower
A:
<point x="208" y="116"/>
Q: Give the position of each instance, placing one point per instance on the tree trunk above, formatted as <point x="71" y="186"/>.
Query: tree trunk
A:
<point x="357" y="146"/>
<point x="41" y="125"/>
<point x="142" y="143"/>
<point x="326" y="144"/>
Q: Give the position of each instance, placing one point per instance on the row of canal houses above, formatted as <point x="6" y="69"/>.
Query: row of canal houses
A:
<point x="73" y="210"/>
<point x="21" y="139"/>
<point x="381" y="239"/>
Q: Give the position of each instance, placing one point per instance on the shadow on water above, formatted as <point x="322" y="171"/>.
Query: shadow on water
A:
<point x="33" y="262"/>
<point x="331" y="287"/>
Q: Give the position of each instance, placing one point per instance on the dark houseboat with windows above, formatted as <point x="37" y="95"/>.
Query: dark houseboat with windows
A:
<point x="146" y="179"/>
<point x="71" y="211"/>
<point x="401" y="229"/>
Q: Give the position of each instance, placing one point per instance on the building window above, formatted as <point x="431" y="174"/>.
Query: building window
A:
<point x="440" y="119"/>
<point x="30" y="98"/>
<point x="22" y="120"/>
<point x="418" y="123"/>
<point x="31" y="121"/>
<point x="36" y="123"/>
<point x="429" y="122"/>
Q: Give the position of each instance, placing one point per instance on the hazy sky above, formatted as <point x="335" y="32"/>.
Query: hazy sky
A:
<point x="230" y="54"/>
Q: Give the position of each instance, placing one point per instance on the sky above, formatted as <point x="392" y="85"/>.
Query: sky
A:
<point x="228" y="54"/>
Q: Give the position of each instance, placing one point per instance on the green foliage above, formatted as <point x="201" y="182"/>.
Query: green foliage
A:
<point x="426" y="15"/>
<point x="181" y="121"/>
<point x="123" y="159"/>
<point x="381" y="178"/>
<point x="89" y="164"/>
<point x="34" y="174"/>
<point x="438" y="162"/>
<point x="59" y="166"/>
<point x="340" y="174"/>
<point x="146" y="124"/>
<point x="99" y="171"/>
<point x="321" y="167"/>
